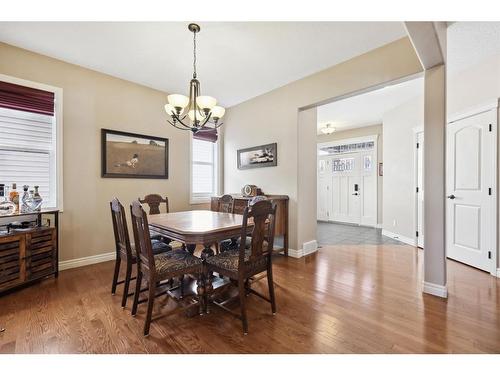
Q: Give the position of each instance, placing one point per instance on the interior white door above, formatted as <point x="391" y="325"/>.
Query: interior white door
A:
<point x="420" y="190"/>
<point x="324" y="189"/>
<point x="470" y="182"/>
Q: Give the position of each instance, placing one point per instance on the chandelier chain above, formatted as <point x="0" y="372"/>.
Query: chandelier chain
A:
<point x="194" y="55"/>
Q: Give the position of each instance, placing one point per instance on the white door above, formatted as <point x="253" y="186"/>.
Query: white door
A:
<point x="346" y="204"/>
<point x="470" y="187"/>
<point x="420" y="190"/>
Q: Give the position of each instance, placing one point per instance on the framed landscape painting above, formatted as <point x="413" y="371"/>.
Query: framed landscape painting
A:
<point x="258" y="157"/>
<point x="130" y="155"/>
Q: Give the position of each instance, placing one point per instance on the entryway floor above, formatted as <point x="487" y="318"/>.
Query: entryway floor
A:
<point x="344" y="234"/>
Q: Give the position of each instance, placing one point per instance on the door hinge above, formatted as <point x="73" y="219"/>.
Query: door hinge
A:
<point x="489" y="254"/>
<point x="417" y="189"/>
<point x="489" y="191"/>
<point x="416" y="233"/>
<point x="418" y="145"/>
<point x="489" y="127"/>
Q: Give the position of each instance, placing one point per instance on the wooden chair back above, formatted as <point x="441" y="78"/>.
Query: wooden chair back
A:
<point x="154" y="202"/>
<point x="226" y="204"/>
<point x="263" y="214"/>
<point x="120" y="230"/>
<point x="142" y="239"/>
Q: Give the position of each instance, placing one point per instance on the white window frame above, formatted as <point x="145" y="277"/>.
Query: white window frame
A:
<point x="57" y="153"/>
<point x="203" y="199"/>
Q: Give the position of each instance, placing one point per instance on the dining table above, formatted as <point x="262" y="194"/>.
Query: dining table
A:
<point x="200" y="227"/>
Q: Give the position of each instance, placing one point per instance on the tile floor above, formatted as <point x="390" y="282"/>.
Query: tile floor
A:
<point x="344" y="234"/>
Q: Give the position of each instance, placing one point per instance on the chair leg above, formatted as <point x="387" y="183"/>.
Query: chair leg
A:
<point x="127" y="284"/>
<point x="115" y="275"/>
<point x="138" y="282"/>
<point x="270" y="284"/>
<point x="151" y="300"/>
<point x="241" y="287"/>
<point x="217" y="251"/>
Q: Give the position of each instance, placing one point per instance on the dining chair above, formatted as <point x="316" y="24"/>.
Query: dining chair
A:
<point x="226" y="205"/>
<point x="125" y="251"/>
<point x="247" y="261"/>
<point x="158" y="268"/>
<point x="154" y="202"/>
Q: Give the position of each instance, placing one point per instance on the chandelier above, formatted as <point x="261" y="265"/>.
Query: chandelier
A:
<point x="196" y="112"/>
<point x="328" y="129"/>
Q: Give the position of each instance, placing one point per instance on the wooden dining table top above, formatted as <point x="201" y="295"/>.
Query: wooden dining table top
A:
<point x="197" y="222"/>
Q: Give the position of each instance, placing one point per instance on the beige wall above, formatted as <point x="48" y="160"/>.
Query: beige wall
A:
<point x="272" y="117"/>
<point x="93" y="101"/>
<point x="363" y="132"/>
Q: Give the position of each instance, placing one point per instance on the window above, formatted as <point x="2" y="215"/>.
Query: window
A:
<point x="29" y="145"/>
<point x="203" y="170"/>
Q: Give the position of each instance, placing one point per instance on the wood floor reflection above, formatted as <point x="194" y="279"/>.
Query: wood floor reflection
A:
<point x="343" y="299"/>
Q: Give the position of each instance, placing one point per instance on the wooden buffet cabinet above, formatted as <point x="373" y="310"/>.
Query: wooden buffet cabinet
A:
<point x="28" y="255"/>
<point x="281" y="226"/>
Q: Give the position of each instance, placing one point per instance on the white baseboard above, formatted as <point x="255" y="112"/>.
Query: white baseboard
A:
<point x="395" y="236"/>
<point x="379" y="226"/>
<point x="498" y="272"/>
<point x="85" y="261"/>
<point x="435" y="289"/>
<point x="307" y="248"/>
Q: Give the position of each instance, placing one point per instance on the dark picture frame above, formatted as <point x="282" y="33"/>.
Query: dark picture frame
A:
<point x="118" y="166"/>
<point x="258" y="156"/>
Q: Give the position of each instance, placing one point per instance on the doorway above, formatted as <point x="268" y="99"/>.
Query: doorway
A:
<point x="347" y="181"/>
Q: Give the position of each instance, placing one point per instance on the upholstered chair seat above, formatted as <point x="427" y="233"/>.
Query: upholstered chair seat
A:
<point x="175" y="260"/>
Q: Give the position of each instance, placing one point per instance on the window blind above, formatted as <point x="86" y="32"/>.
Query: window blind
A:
<point x="203" y="169"/>
<point x="26" y="99"/>
<point x="27" y="152"/>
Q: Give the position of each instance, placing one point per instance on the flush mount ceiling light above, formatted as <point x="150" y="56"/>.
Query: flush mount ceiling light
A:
<point x="328" y="129"/>
<point x="196" y="112"/>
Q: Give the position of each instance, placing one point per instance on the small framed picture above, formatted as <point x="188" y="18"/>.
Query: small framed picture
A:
<point x="130" y="155"/>
<point x="258" y="157"/>
<point x="380" y="169"/>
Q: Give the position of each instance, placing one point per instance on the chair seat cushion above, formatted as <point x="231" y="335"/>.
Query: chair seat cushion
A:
<point x="227" y="260"/>
<point x="160" y="247"/>
<point x="175" y="260"/>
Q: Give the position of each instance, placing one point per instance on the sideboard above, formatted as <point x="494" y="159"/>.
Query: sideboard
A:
<point x="281" y="226"/>
<point x="30" y="254"/>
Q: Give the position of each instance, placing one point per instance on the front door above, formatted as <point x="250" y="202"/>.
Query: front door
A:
<point x="470" y="182"/>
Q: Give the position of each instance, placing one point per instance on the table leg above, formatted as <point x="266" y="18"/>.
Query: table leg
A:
<point x="200" y="290"/>
<point x="207" y="252"/>
<point x="191" y="248"/>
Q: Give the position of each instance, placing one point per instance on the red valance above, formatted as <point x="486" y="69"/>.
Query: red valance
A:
<point x="206" y="134"/>
<point x="26" y="99"/>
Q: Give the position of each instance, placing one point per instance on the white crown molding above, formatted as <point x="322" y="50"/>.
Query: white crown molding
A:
<point x="85" y="261"/>
<point x="435" y="289"/>
<point x="398" y="237"/>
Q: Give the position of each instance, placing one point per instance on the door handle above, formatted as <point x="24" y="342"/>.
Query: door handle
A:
<point x="355" y="194"/>
<point x="451" y="196"/>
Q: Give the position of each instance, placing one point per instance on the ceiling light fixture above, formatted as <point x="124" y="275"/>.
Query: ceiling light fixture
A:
<point x="328" y="129"/>
<point x="195" y="112"/>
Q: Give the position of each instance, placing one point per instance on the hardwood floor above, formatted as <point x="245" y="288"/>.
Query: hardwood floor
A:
<point x="343" y="299"/>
